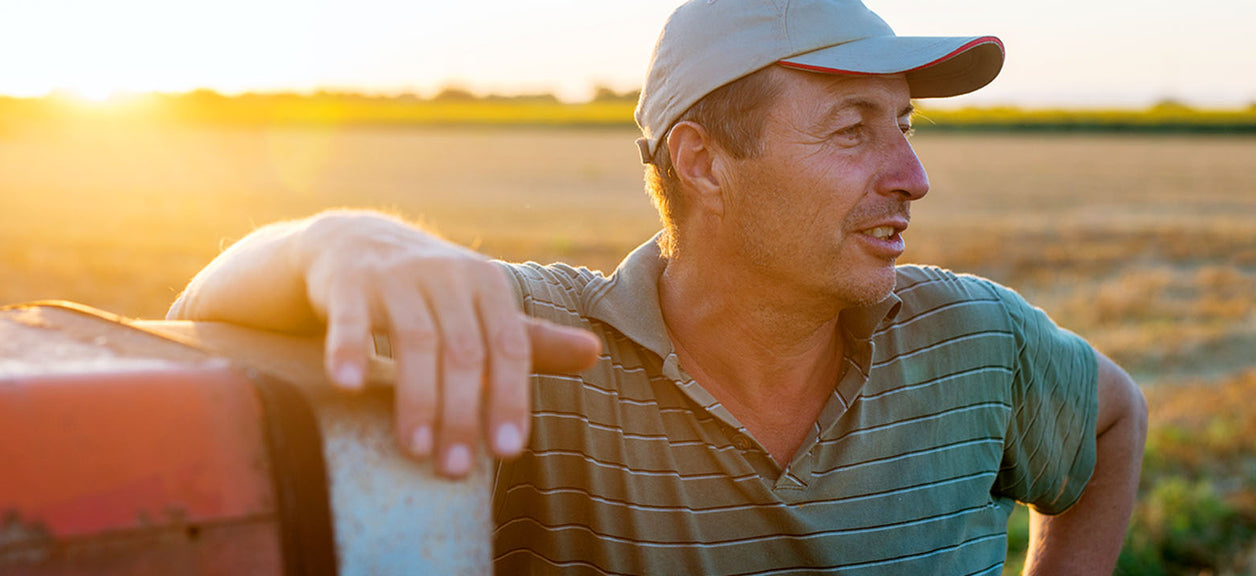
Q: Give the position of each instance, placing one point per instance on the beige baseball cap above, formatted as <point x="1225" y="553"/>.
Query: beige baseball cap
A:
<point x="706" y="44"/>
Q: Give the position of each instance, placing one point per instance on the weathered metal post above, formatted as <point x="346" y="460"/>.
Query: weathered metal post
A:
<point x="392" y="514"/>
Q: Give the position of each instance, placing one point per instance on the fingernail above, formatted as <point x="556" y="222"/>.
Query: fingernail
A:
<point x="507" y="440"/>
<point x="349" y="375"/>
<point x="457" y="460"/>
<point x="421" y="441"/>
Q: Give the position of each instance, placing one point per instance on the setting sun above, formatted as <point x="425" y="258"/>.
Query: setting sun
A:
<point x="92" y="94"/>
<point x="1115" y="55"/>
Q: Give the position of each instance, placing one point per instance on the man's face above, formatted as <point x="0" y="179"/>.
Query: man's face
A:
<point x="822" y="209"/>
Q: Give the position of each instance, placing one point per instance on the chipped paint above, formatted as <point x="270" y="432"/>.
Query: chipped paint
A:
<point x="391" y="514"/>
<point x="23" y="542"/>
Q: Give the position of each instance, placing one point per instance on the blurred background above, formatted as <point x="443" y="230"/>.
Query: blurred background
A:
<point x="1109" y="174"/>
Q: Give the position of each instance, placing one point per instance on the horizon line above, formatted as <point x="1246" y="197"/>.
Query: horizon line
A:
<point x="600" y="94"/>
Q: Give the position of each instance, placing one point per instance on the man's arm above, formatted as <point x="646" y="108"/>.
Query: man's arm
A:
<point x="255" y="282"/>
<point x="1086" y="538"/>
<point x="462" y="347"/>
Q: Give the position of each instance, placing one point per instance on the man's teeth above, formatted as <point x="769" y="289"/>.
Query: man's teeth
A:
<point x="881" y="232"/>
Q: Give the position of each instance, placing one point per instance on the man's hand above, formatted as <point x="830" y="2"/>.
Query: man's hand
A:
<point x="463" y="349"/>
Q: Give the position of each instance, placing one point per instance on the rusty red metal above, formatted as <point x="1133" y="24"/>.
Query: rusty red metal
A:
<point x="130" y="448"/>
<point x="109" y="465"/>
<point x="88" y="452"/>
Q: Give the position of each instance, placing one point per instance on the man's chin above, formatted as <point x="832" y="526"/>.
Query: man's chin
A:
<point x="872" y="286"/>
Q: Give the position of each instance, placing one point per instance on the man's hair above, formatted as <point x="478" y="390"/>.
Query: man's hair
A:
<point x="733" y="116"/>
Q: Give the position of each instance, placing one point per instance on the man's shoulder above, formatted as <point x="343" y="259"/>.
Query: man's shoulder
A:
<point x="930" y="288"/>
<point x="560" y="275"/>
<point x="931" y="282"/>
<point x="556" y="292"/>
<point x="925" y="290"/>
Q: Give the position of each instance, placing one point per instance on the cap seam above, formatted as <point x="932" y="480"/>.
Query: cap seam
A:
<point x="789" y="38"/>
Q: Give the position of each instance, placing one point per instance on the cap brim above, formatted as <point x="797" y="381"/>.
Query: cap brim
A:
<point x="936" y="67"/>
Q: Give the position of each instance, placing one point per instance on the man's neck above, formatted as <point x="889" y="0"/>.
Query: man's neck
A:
<point x="770" y="357"/>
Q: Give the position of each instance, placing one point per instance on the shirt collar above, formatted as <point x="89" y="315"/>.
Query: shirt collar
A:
<point x="629" y="302"/>
<point x="629" y="299"/>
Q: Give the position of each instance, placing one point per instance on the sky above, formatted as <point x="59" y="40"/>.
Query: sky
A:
<point x="1074" y="53"/>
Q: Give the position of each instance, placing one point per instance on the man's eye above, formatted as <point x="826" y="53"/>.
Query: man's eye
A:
<point x="908" y="130"/>
<point x="850" y="132"/>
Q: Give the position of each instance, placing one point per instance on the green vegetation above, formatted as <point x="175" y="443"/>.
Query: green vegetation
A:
<point x="452" y="107"/>
<point x="458" y="107"/>
<point x="1167" y="117"/>
<point x="1196" y="512"/>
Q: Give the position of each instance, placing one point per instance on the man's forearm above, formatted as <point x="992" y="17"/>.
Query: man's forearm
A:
<point x="1086" y="539"/>
<point x="255" y="282"/>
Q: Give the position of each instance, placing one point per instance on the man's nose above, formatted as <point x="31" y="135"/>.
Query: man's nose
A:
<point x="903" y="174"/>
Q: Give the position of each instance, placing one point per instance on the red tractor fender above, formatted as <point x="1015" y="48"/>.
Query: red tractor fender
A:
<point x="196" y="448"/>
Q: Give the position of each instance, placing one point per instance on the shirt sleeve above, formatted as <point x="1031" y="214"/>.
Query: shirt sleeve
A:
<point x="516" y="284"/>
<point x="1049" y="451"/>
<point x="553" y="292"/>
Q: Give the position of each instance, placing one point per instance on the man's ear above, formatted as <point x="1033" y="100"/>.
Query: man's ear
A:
<point x="696" y="161"/>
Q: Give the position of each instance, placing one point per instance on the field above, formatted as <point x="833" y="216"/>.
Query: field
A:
<point x="1146" y="245"/>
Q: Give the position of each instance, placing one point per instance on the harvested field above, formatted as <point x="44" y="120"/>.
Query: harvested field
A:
<point x="1146" y="245"/>
<point x="1143" y="244"/>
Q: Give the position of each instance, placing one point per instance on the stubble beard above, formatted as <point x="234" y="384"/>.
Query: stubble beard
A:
<point x="813" y="280"/>
<point x="833" y="281"/>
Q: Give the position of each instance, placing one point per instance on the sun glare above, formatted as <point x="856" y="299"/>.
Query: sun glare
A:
<point x="92" y="94"/>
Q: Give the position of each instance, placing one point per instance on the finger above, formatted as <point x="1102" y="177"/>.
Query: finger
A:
<point x="412" y="335"/>
<point x="461" y="360"/>
<point x="348" y="335"/>
<point x="557" y="349"/>
<point x="509" y="361"/>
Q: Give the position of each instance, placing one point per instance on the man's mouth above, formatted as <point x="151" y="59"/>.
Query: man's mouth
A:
<point x="886" y="240"/>
<point x="881" y="232"/>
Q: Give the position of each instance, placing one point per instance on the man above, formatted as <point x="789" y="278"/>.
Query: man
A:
<point x="773" y="394"/>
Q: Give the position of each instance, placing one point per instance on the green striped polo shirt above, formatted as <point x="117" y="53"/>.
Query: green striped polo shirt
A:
<point x="957" y="400"/>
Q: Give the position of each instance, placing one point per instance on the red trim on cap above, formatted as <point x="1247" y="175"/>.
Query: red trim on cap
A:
<point x="952" y="54"/>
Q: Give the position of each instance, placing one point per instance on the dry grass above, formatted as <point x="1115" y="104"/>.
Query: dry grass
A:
<point x="121" y="220"/>
<point x="1142" y="244"/>
<point x="1146" y="246"/>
